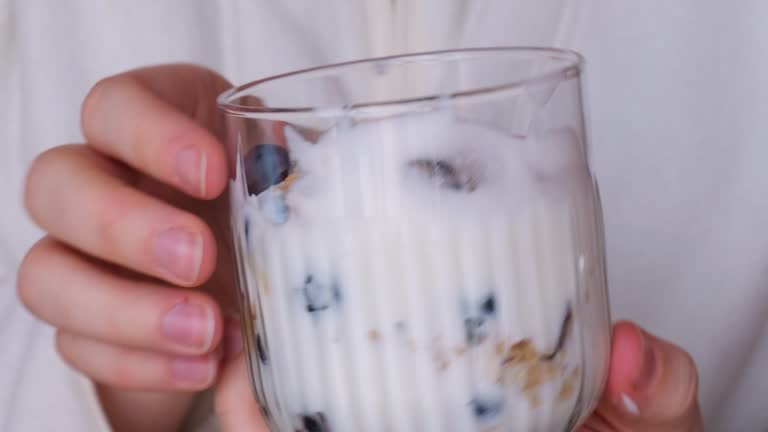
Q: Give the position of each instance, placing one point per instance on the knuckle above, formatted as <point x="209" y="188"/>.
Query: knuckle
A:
<point x="688" y="361"/>
<point x="104" y="90"/>
<point x="27" y="282"/>
<point x="64" y="345"/>
<point x="37" y="174"/>
<point x="120" y="372"/>
<point x="95" y="94"/>
<point x="681" y="389"/>
<point x="43" y="174"/>
<point x="111" y="216"/>
<point x="110" y="364"/>
<point x="689" y="397"/>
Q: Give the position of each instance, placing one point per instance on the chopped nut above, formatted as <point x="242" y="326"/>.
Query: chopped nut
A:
<point x="534" y="377"/>
<point x="569" y="385"/>
<point x="521" y="352"/>
<point x="526" y="368"/>
<point x="263" y="283"/>
<point x="441" y="361"/>
<point x="539" y="373"/>
<point x="286" y="184"/>
<point x="500" y="348"/>
<point x="566" y="391"/>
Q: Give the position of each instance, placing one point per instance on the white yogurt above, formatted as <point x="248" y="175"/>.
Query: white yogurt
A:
<point x="413" y="274"/>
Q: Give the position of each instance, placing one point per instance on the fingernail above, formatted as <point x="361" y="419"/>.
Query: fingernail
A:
<point x="629" y="405"/>
<point x="189" y="325"/>
<point x="648" y="368"/>
<point x="193" y="370"/>
<point x="233" y="339"/>
<point x="191" y="167"/>
<point x="179" y="252"/>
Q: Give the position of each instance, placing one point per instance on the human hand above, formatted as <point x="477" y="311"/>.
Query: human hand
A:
<point x="130" y="218"/>
<point x="652" y="387"/>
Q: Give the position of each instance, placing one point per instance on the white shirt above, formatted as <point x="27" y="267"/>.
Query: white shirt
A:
<point x="677" y="106"/>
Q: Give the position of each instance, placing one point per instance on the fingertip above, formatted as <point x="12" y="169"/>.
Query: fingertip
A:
<point x="196" y="163"/>
<point x="182" y="250"/>
<point x="650" y="380"/>
<point x="626" y="357"/>
<point x="194" y="373"/>
<point x="189" y="323"/>
<point x="208" y="257"/>
<point x="214" y="172"/>
<point x="217" y="331"/>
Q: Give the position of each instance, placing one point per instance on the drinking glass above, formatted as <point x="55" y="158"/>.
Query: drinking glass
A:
<point x="419" y="243"/>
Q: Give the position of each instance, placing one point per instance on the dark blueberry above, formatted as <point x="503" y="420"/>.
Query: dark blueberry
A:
<point x="444" y="174"/>
<point x="486" y="408"/>
<point x="488" y="306"/>
<point x="260" y="349"/>
<point x="477" y="325"/>
<point x="320" y="296"/>
<point x="246" y="228"/>
<point x="314" y="423"/>
<point x="265" y="165"/>
<point x="475" y="330"/>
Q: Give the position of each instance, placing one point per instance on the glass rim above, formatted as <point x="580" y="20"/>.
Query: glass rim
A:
<point x="572" y="67"/>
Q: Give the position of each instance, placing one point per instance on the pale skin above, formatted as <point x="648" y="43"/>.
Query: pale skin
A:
<point x="134" y="271"/>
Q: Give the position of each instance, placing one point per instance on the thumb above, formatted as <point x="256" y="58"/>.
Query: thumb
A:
<point x="234" y="403"/>
<point x="652" y="384"/>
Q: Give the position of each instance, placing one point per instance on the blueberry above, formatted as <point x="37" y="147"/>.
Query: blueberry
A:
<point x="488" y="306"/>
<point x="443" y="174"/>
<point x="475" y="330"/>
<point x="486" y="408"/>
<point x="477" y="323"/>
<point x="320" y="296"/>
<point x="260" y="349"/>
<point x="265" y="165"/>
<point x="314" y="423"/>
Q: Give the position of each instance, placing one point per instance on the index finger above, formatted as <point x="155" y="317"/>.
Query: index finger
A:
<point x="163" y="122"/>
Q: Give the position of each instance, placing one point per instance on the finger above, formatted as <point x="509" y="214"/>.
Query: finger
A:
<point x="235" y="406"/>
<point x="652" y="384"/>
<point x="134" y="369"/>
<point x="160" y="410"/>
<point x="82" y="199"/>
<point x="159" y="120"/>
<point x="83" y="297"/>
<point x="232" y="339"/>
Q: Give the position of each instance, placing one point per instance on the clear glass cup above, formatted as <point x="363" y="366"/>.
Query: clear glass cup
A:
<point x="419" y="243"/>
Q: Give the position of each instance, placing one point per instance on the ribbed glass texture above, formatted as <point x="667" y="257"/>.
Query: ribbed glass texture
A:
<point x="419" y="244"/>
